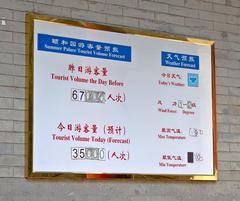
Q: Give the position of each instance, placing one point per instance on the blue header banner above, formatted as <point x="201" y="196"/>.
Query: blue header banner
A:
<point x="86" y="48"/>
<point x="178" y="60"/>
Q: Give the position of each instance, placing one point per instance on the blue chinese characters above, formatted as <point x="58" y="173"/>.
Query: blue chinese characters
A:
<point x="81" y="47"/>
<point x="178" y="60"/>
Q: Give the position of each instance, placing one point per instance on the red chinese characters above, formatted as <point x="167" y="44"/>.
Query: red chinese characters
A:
<point x="118" y="98"/>
<point x="114" y="130"/>
<point x="171" y="80"/>
<point x="115" y="155"/>
<point x="171" y="157"/>
<point x="171" y="130"/>
<point x="171" y="76"/>
<point x="77" y="127"/>
<point x="88" y="70"/>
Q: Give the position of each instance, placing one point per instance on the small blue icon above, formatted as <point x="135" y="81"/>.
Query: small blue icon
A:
<point x="193" y="80"/>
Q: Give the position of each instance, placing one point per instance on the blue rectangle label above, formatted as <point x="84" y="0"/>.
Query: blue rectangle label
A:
<point x="86" y="48"/>
<point x="178" y="60"/>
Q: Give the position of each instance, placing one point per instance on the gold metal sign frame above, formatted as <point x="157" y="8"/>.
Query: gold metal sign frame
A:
<point x="30" y="17"/>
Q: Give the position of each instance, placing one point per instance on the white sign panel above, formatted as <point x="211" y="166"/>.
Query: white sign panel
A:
<point x="115" y="103"/>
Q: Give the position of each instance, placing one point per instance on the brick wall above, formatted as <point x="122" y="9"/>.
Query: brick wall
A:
<point x="217" y="20"/>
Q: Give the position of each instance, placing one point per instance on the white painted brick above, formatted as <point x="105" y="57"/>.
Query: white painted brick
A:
<point x="19" y="37"/>
<point x="218" y="1"/>
<point x="222" y="109"/>
<point x="223" y="128"/>
<point x="6" y="125"/>
<point x="210" y="16"/>
<point x="122" y="21"/>
<point x="228" y="119"/>
<point x="223" y="146"/>
<point x="43" y="1"/>
<point x="19" y="149"/>
<point x="6" y="114"/>
<point x="6" y="14"/>
<point x="6" y="172"/>
<point x="12" y="160"/>
<point x="12" y="92"/>
<point x="6" y="36"/>
<point x="226" y="27"/>
<point x="233" y="100"/>
<point x="234" y="109"/>
<point x="141" y="14"/>
<point x="223" y="45"/>
<point x="228" y="156"/>
<point x="221" y="118"/>
<point x="18" y="172"/>
<point x="183" y="30"/>
<point x="12" y="47"/>
<point x="6" y="103"/>
<point x="222" y="100"/>
<point x="109" y="9"/>
<point x="234" y="55"/>
<point x="7" y="69"/>
<point x="200" y="24"/>
<point x="19" y="104"/>
<point x="233" y="19"/>
<point x="53" y="10"/>
<point x="196" y="4"/>
<point x="220" y="90"/>
<point x="100" y="1"/>
<point x="171" y="2"/>
<point x="6" y="58"/>
<point x="235" y="147"/>
<point x="89" y="16"/>
<point x="19" y="81"/>
<point x="7" y="137"/>
<point x="211" y="35"/>
<point x="79" y="4"/>
<point x="227" y="138"/>
<point x="234" y="73"/>
<point x="127" y="3"/>
<point x="235" y="3"/>
<point x="222" y="72"/>
<point x="153" y="6"/>
<point x="172" y="19"/>
<point x="6" y="80"/>
<point x="229" y="176"/>
<point x="19" y="16"/>
<point x="221" y="54"/>
<point x="227" y="63"/>
<point x="19" y="59"/>
<point x="233" y="37"/>
<point x="186" y="12"/>
<point x="224" y="165"/>
<point x="235" y="166"/>
<point x="19" y="126"/>
<point x="234" y="91"/>
<point x="6" y="148"/>
<point x="16" y="5"/>
<point x="226" y="9"/>
<point x="153" y="25"/>
<point x="235" y="129"/>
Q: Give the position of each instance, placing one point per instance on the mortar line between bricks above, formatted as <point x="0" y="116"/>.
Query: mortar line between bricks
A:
<point x="19" y="76"/>
<point x="12" y="143"/>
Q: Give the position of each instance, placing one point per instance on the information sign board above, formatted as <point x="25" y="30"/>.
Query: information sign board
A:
<point x="112" y="101"/>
